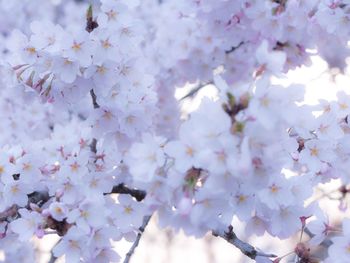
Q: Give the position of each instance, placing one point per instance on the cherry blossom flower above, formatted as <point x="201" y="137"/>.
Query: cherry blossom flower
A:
<point x="86" y="216"/>
<point x="149" y="155"/>
<point x="78" y="48"/>
<point x="58" y="211"/>
<point x="271" y="61"/>
<point x="321" y="228"/>
<point x="71" y="245"/>
<point x="27" y="225"/>
<point x="315" y="153"/>
<point x="276" y="194"/>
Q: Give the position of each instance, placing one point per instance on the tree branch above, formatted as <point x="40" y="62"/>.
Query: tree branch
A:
<point x="244" y="247"/>
<point x="39" y="198"/>
<point x="52" y="258"/>
<point x="146" y="219"/>
<point x="139" y="195"/>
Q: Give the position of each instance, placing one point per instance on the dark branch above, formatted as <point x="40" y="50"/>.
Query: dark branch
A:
<point x="234" y="48"/>
<point x="52" y="258"/>
<point x="139" y="195"/>
<point x="93" y="146"/>
<point x="146" y="219"/>
<point x="38" y="198"/>
<point x="94" y="99"/>
<point x="244" y="247"/>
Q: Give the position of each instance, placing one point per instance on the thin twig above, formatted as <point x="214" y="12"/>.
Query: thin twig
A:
<point x="232" y="49"/>
<point x="146" y="219"/>
<point x="244" y="247"/>
<point x="195" y="90"/>
<point x="94" y="99"/>
<point x="91" y="24"/>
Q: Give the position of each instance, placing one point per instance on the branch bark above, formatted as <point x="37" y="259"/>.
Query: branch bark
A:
<point x="139" y="195"/>
<point x="244" y="247"/>
<point x="52" y="258"/>
<point x="146" y="219"/>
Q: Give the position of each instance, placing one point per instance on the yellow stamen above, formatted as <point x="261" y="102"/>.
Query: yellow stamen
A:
<point x="274" y="189"/>
<point x="111" y="15"/>
<point x="265" y="101"/>
<point x="76" y="47"/>
<point x="74" y="167"/>
<point x="27" y="167"/>
<point x="343" y="106"/>
<point x="15" y="189"/>
<point x="31" y="50"/>
<point x="314" y="151"/>
<point x="58" y="210"/>
<point x="189" y="151"/>
<point x="128" y="209"/>
<point x="241" y="198"/>
<point x="106" y="44"/>
<point x="101" y="69"/>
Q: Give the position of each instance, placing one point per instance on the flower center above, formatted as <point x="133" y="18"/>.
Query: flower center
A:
<point x="314" y="151"/>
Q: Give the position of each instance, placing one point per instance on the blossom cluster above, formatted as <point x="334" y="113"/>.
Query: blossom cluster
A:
<point x="65" y="65"/>
<point x="90" y="96"/>
<point x="211" y="35"/>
